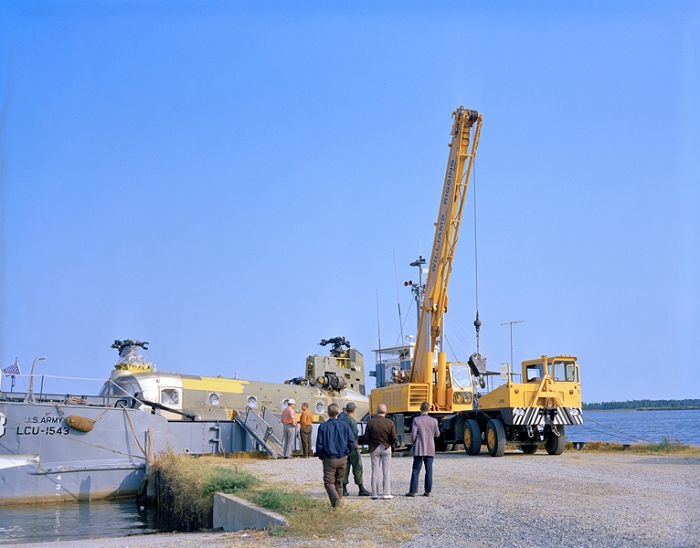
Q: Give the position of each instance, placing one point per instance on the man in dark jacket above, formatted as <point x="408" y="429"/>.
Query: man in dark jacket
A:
<point x="334" y="442"/>
<point x="354" y="458"/>
<point x="381" y="437"/>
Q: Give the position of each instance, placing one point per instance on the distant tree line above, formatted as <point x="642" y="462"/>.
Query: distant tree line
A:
<point x="643" y="404"/>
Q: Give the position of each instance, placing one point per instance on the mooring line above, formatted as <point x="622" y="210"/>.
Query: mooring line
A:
<point x="615" y="430"/>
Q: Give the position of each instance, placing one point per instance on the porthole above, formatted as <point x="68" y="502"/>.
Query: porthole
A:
<point x="320" y="408"/>
<point x="214" y="399"/>
<point x="252" y="402"/>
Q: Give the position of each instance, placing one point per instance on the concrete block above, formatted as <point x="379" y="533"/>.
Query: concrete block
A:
<point x="234" y="514"/>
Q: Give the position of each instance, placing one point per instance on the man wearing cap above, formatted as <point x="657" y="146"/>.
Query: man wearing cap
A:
<point x="354" y="458"/>
<point x="289" y="421"/>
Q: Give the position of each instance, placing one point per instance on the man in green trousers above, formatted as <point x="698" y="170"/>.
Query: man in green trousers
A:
<point x="354" y="458"/>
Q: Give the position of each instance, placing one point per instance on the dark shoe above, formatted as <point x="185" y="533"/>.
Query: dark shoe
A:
<point x="345" y="490"/>
<point x="426" y="494"/>
<point x="409" y="494"/>
<point x="363" y="492"/>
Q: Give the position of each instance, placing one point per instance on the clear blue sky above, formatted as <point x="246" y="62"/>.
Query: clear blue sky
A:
<point x="233" y="181"/>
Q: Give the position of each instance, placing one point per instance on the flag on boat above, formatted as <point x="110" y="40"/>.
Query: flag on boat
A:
<point x="12" y="370"/>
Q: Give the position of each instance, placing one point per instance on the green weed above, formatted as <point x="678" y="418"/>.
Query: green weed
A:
<point x="666" y="447"/>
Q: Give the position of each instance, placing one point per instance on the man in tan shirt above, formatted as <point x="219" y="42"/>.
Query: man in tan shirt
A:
<point x="305" y="422"/>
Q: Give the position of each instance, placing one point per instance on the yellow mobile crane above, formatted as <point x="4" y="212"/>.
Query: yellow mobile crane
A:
<point x="447" y="386"/>
<point x="527" y="414"/>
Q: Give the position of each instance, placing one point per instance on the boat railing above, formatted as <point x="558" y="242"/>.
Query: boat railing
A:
<point x="114" y="397"/>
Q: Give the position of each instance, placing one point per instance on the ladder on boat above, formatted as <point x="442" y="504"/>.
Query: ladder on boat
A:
<point x="266" y="431"/>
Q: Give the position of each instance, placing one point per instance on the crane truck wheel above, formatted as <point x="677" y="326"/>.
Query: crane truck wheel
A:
<point x="495" y="438"/>
<point x="555" y="444"/>
<point x="529" y="449"/>
<point x="472" y="437"/>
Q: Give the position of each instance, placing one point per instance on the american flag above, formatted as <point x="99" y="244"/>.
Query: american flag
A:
<point x="12" y="370"/>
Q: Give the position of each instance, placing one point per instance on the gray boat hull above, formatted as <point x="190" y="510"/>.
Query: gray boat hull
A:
<point x="43" y="459"/>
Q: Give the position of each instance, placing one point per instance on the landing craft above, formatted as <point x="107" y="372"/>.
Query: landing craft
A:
<point x="338" y="378"/>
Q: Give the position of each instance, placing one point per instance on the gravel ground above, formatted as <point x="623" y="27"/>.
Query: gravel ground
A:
<point x="574" y="500"/>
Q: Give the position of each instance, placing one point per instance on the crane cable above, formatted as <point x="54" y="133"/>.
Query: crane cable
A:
<point x="477" y="321"/>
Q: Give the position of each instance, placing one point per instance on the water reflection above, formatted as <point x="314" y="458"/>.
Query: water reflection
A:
<point x="74" y="521"/>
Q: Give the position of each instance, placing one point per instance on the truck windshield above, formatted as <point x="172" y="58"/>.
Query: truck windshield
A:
<point x="461" y="376"/>
<point x="565" y="371"/>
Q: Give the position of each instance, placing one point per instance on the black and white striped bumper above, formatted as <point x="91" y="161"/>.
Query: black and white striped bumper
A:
<point x="540" y="416"/>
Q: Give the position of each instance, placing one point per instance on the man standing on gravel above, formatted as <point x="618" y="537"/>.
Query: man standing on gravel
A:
<point x="424" y="431"/>
<point x="334" y="442"/>
<point x="305" y="430"/>
<point x="289" y="420"/>
<point x="381" y="436"/>
<point x="354" y="458"/>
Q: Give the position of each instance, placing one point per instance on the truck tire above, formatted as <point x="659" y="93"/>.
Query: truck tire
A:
<point x="555" y="444"/>
<point x="495" y="438"/>
<point x="529" y="449"/>
<point x="472" y="437"/>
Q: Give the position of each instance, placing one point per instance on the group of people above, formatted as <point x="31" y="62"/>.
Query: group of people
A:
<point x="337" y="445"/>
<point x="289" y="424"/>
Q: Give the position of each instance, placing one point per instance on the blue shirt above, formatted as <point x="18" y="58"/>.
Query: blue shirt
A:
<point x="334" y="440"/>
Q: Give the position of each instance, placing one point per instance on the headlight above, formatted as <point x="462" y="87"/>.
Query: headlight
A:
<point x="462" y="398"/>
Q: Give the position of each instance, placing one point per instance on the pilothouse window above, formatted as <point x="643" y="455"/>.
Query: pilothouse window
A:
<point x="169" y="396"/>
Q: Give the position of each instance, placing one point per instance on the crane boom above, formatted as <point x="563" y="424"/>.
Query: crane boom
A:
<point x="465" y="132"/>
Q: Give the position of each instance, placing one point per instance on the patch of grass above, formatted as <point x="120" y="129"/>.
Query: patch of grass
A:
<point x="186" y="488"/>
<point x="313" y="518"/>
<point x="307" y="517"/>
<point x="284" y="502"/>
<point x="666" y="447"/>
<point x="248" y="455"/>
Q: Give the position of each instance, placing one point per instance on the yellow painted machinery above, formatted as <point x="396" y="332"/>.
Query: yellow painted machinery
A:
<point x="528" y="414"/>
<point x="447" y="386"/>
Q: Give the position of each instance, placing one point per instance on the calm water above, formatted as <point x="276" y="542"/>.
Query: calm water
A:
<point x="73" y="521"/>
<point x="637" y="426"/>
<point x="45" y="523"/>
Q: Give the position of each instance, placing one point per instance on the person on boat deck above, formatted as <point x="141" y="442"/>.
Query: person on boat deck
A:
<point x="334" y="442"/>
<point x="289" y="420"/>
